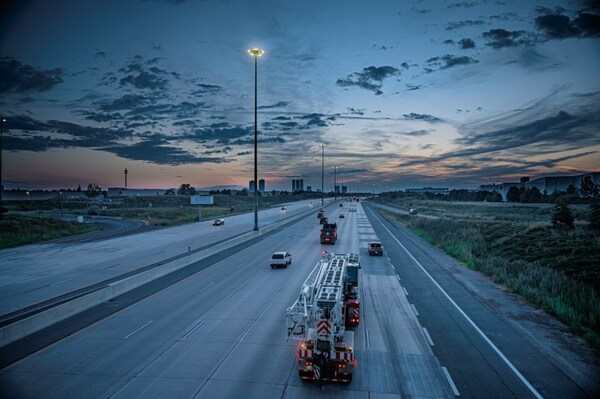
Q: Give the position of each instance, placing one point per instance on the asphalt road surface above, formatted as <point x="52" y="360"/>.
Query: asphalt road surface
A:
<point x="221" y="331"/>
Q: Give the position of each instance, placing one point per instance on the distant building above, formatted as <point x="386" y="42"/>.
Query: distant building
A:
<point x="297" y="185"/>
<point x="337" y="189"/>
<point x="424" y="190"/>
<point x="261" y="185"/>
<point x="344" y="189"/>
<point x="251" y="186"/>
<point x="309" y="189"/>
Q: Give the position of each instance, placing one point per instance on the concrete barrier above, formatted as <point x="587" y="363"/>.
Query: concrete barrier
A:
<point x="41" y="320"/>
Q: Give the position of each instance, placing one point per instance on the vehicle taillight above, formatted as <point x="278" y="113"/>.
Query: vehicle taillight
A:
<point x="308" y="363"/>
<point x="341" y="365"/>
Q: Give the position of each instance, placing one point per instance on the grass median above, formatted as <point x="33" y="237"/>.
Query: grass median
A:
<point x="18" y="230"/>
<point x="555" y="270"/>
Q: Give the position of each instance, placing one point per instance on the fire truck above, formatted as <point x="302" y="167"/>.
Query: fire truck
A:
<point x="328" y="303"/>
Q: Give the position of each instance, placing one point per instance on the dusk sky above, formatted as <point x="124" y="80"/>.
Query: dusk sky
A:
<point x="403" y="93"/>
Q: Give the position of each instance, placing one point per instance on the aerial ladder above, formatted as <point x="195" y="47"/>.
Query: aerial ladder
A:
<point x="327" y="304"/>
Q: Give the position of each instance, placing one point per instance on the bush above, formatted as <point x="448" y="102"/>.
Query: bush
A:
<point x="562" y="216"/>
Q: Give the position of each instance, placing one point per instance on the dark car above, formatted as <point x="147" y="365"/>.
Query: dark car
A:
<point x="375" y="248"/>
<point x="342" y="205"/>
<point x="218" y="222"/>
<point x="342" y="215"/>
<point x="323" y="220"/>
<point x="320" y="214"/>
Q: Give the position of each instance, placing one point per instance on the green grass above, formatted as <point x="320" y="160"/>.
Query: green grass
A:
<point x="18" y="230"/>
<point x="555" y="270"/>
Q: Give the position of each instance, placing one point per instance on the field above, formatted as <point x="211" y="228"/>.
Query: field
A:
<point x="557" y="270"/>
<point x="18" y="230"/>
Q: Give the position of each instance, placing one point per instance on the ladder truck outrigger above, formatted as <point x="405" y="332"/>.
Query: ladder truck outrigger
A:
<point x="328" y="303"/>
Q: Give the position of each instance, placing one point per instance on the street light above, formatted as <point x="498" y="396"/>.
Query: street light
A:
<point x="335" y="183"/>
<point x="255" y="53"/>
<point x="322" y="171"/>
<point x="2" y="120"/>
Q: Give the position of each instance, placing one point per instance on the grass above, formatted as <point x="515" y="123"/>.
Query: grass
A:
<point x="18" y="230"/>
<point x="555" y="270"/>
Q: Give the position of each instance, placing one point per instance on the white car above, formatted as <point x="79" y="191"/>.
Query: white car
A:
<point x="218" y="222"/>
<point x="281" y="259"/>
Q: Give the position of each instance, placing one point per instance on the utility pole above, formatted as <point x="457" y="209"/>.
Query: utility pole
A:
<point x="335" y="183"/>
<point x="126" y="172"/>
<point x="322" y="172"/>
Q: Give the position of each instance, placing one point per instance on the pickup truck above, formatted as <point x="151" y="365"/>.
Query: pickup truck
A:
<point x="329" y="233"/>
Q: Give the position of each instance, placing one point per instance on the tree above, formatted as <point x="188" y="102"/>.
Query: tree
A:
<point x="535" y="195"/>
<point x="78" y="188"/>
<point x="594" y="219"/>
<point x="170" y="192"/>
<point x="588" y="188"/>
<point x="562" y="216"/>
<point x="513" y="194"/>
<point x="93" y="190"/>
<point x="186" y="189"/>
<point x="571" y="189"/>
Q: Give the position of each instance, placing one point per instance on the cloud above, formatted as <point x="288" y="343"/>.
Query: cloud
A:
<point x="156" y="150"/>
<point x="279" y="104"/>
<point x="370" y="78"/>
<point x="413" y="87"/>
<point x="463" y="4"/>
<point x="16" y="77"/>
<point x="555" y="25"/>
<point x="447" y="61"/>
<point x="422" y="132"/>
<point x="206" y="89"/>
<point x="145" y="80"/>
<point x="356" y="111"/>
<point x="420" y="117"/>
<point x="500" y="38"/>
<point x="466" y="44"/>
<point x="462" y="24"/>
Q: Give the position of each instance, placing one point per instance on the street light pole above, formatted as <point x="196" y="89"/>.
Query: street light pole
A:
<point x="256" y="53"/>
<point x="335" y="183"/>
<point x="322" y="172"/>
<point x="2" y="120"/>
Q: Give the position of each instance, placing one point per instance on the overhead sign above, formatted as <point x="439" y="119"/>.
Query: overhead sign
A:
<point x="202" y="199"/>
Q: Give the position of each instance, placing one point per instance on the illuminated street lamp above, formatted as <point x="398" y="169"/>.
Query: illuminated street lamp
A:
<point x="256" y="53"/>
<point x="2" y="120"/>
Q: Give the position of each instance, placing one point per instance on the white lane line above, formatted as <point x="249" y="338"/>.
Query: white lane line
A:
<point x="397" y="276"/>
<point x="193" y="329"/>
<point x="481" y="333"/>
<point x="405" y="292"/>
<point x="247" y="331"/>
<point x="452" y="385"/>
<point x="130" y="334"/>
<point x="414" y="309"/>
<point x="428" y="336"/>
<point x="207" y="287"/>
<point x="368" y="340"/>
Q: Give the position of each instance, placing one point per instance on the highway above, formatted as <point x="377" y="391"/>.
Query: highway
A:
<point x="221" y="332"/>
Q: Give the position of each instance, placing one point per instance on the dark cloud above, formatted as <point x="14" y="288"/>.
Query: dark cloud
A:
<point x="420" y="10"/>
<point x="466" y="44"/>
<point x="206" y="89"/>
<point x="448" y="41"/>
<point x="128" y="102"/>
<point x="222" y="133"/>
<point x="370" y="78"/>
<point x="447" y="61"/>
<point x="507" y="16"/>
<point x="156" y="150"/>
<point x="420" y="117"/>
<point x="145" y="80"/>
<point x="382" y="47"/>
<point x="101" y="53"/>
<point x="279" y="104"/>
<point x="422" y="132"/>
<point x="356" y="111"/>
<point x="244" y="142"/>
<point x="240" y="154"/>
<point x="16" y="77"/>
<point x="499" y="38"/>
<point x="555" y="25"/>
<point x="282" y="118"/>
<point x="462" y="24"/>
<point x="463" y="4"/>
<point x="413" y="87"/>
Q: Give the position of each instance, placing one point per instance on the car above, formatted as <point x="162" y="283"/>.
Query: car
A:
<point x="342" y="215"/>
<point x="320" y="214"/>
<point x="283" y="208"/>
<point x="323" y="220"/>
<point x="281" y="259"/>
<point x="375" y="248"/>
<point x="218" y="222"/>
<point x="341" y="205"/>
<point x="412" y="211"/>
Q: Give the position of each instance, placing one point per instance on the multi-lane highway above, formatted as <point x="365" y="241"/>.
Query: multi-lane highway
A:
<point x="220" y="332"/>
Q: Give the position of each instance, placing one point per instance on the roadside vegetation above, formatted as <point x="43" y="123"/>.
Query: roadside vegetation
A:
<point x="547" y="253"/>
<point x="18" y="230"/>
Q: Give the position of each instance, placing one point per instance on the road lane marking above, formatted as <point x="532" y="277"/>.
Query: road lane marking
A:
<point x="405" y="292"/>
<point x="452" y="385"/>
<point x="397" y="276"/>
<point x="367" y="336"/>
<point x="130" y="334"/>
<point x="428" y="336"/>
<point x="193" y="329"/>
<point x="414" y="309"/>
<point x="471" y="322"/>
<point x="247" y="331"/>
<point x="207" y="287"/>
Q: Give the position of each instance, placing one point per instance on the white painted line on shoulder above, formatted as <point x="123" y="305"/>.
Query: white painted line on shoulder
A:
<point x="367" y="336"/>
<point x="452" y="385"/>
<point x="246" y="333"/>
<point x="405" y="292"/>
<point x="471" y="322"/>
<point x="428" y="336"/>
<point x="398" y="277"/>
<point x="207" y="287"/>
<point x="193" y="329"/>
<point x="130" y="334"/>
<point x="414" y="309"/>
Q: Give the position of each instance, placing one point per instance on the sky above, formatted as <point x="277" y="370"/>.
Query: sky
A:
<point x="402" y="94"/>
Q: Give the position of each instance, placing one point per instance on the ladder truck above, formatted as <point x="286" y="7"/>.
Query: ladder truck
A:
<point x="328" y="303"/>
